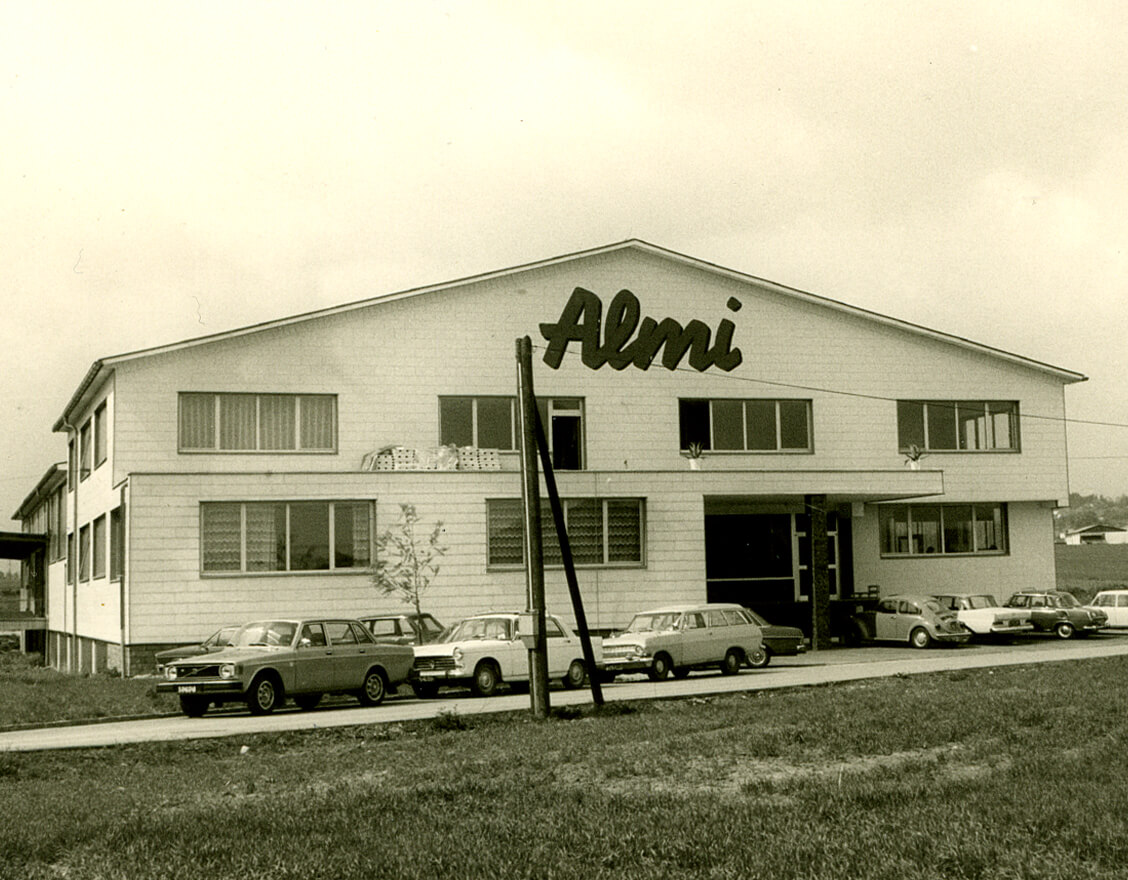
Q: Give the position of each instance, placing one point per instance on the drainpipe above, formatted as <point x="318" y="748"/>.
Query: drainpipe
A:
<point x="73" y="654"/>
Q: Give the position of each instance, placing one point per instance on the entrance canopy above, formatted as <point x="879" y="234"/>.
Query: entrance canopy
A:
<point x="20" y="545"/>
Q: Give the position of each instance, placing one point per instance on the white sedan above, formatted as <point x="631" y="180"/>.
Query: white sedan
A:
<point x="1114" y="603"/>
<point x="984" y="617"/>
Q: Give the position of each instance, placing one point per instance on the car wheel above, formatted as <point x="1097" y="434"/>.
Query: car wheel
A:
<point x="919" y="638"/>
<point x="575" y="676"/>
<point x="194" y="707"/>
<point x="734" y="659"/>
<point x="681" y="672"/>
<point x="307" y="701"/>
<point x="374" y="689"/>
<point x="1064" y="630"/>
<point x="485" y="680"/>
<point x="425" y="690"/>
<point x="659" y="667"/>
<point x="265" y="695"/>
<point x="760" y="658"/>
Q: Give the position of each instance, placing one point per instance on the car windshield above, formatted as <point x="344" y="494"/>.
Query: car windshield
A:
<point x="265" y="632"/>
<point x="480" y="628"/>
<point x="982" y="602"/>
<point x="756" y="618"/>
<point x="1068" y="600"/>
<point x="644" y="623"/>
<point x="428" y="624"/>
<point x="934" y="606"/>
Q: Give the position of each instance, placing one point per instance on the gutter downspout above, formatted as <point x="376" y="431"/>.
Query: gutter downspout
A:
<point x="72" y="654"/>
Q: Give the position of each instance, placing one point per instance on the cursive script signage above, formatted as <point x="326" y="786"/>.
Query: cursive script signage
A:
<point x="608" y="341"/>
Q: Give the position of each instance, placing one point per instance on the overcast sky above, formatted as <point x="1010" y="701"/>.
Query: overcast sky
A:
<point x="171" y="169"/>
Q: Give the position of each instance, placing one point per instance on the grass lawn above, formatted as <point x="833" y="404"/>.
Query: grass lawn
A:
<point x="1009" y="773"/>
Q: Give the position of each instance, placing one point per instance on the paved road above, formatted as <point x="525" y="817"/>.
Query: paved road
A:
<point x="821" y="667"/>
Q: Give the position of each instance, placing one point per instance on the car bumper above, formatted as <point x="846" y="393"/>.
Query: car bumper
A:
<point x="626" y="664"/>
<point x="951" y="638"/>
<point x="210" y="688"/>
<point x="1002" y="629"/>
<point x="438" y="676"/>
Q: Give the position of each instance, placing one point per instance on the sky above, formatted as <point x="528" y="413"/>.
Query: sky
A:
<point x="170" y="170"/>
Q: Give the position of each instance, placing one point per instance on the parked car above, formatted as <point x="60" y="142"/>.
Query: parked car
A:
<point x="486" y="650"/>
<point x="1058" y="612"/>
<point x="680" y="638"/>
<point x="779" y="641"/>
<point x="916" y="619"/>
<point x="217" y="641"/>
<point x="403" y="629"/>
<point x="1114" y="604"/>
<point x="270" y="660"/>
<point x="982" y="615"/>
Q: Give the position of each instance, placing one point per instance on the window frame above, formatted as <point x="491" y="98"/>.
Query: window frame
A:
<point x="244" y="571"/>
<point x="84" y="553"/>
<point x="497" y="508"/>
<point x="101" y="439"/>
<point x="778" y="402"/>
<point x="84" y="449"/>
<point x="1010" y="408"/>
<point x="475" y="422"/>
<point x="216" y="447"/>
<point x="890" y="514"/>
<point x="117" y="543"/>
<point x="99" y="546"/>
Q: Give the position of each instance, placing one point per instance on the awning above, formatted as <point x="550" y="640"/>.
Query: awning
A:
<point x="20" y="545"/>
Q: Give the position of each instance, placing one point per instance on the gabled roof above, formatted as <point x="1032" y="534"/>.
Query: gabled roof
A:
<point x="1095" y="528"/>
<point x="55" y="476"/>
<point x="1067" y="376"/>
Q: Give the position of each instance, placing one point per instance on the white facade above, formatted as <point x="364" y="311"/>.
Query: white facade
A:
<point x="387" y="363"/>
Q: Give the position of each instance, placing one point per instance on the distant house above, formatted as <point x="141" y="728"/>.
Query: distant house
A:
<point x="1098" y="533"/>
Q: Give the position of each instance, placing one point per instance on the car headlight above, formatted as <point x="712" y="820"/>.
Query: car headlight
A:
<point x="227" y="670"/>
<point x="457" y="655"/>
<point x="170" y="672"/>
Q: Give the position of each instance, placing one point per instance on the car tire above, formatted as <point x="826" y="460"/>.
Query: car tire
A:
<point x="760" y="658"/>
<point x="374" y="689"/>
<point x="486" y="680"/>
<point x="681" y="672"/>
<point x="305" y="702"/>
<point x="265" y="695"/>
<point x="919" y="638"/>
<point x="734" y="659"/>
<point x="575" y="676"/>
<point x="194" y="707"/>
<point x="425" y="690"/>
<point x="659" y="667"/>
<point x="1064" y="630"/>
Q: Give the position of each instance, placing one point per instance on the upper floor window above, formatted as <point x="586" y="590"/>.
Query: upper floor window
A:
<point x="117" y="544"/>
<point x="961" y="425"/>
<point x="491" y="423"/>
<point x="939" y="529"/>
<point x="601" y="531"/>
<point x="285" y="536"/>
<point x="257" y="422"/>
<point x="72" y="464"/>
<point x="84" y="451"/>
<point x="100" y="439"/>
<point x="758" y="425"/>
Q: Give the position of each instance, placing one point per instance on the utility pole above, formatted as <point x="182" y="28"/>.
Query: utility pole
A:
<point x="534" y="557"/>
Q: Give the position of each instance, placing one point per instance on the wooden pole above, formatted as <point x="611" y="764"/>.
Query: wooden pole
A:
<point x="530" y="498"/>
<point x="569" y="566"/>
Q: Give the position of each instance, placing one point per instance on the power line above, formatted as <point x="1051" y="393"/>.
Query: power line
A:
<point x="861" y="394"/>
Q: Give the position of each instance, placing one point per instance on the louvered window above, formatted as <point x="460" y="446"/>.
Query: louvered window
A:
<point x="601" y="531"/>
<point x="257" y="422"/>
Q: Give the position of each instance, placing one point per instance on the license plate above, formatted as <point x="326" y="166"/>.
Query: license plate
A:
<point x="186" y="689"/>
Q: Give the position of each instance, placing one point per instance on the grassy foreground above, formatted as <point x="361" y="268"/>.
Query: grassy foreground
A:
<point x="979" y="774"/>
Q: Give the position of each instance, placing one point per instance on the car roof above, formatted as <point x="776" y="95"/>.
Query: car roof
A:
<point x="693" y="606"/>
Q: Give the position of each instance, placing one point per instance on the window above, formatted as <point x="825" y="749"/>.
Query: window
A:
<point x="57" y="525"/>
<point x="71" y="558"/>
<point x="485" y="422"/>
<point x="601" y="531"/>
<point x="117" y="545"/>
<point x="72" y="464"/>
<point x="99" y="554"/>
<point x="84" y="451"/>
<point x="258" y="422"/>
<point x="100" y="439"/>
<point x="266" y="536"/>
<point x="563" y="421"/>
<point x="943" y="529"/>
<point x="957" y="425"/>
<point x="84" y="553"/>
<point x="746" y="425"/>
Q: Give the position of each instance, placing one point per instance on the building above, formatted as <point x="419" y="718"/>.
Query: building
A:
<point x="1097" y="533"/>
<point x="238" y="475"/>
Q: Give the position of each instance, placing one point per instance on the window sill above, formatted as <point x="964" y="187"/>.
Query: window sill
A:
<point x="317" y="572"/>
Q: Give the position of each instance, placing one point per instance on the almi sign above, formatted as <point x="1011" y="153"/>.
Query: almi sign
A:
<point x="608" y="341"/>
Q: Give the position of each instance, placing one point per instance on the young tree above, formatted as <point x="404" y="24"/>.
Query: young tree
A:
<point x="406" y="560"/>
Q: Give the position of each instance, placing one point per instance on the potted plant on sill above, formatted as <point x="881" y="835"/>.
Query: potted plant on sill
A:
<point x="913" y="457"/>
<point x="693" y="453"/>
